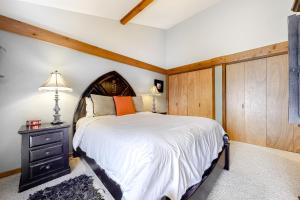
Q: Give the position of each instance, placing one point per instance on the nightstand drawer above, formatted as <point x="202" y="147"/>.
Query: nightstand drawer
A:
<point x="46" y="167"/>
<point x="46" y="152"/>
<point x="37" y="140"/>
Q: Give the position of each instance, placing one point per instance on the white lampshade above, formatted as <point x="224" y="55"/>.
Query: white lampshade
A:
<point x="154" y="91"/>
<point x="55" y="82"/>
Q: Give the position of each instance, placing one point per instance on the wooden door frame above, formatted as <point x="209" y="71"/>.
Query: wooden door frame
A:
<point x="224" y="123"/>
<point x="213" y="92"/>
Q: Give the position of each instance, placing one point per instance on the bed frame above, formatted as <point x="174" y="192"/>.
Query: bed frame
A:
<point x="113" y="84"/>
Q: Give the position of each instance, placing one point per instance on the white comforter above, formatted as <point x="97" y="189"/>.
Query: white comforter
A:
<point x="151" y="155"/>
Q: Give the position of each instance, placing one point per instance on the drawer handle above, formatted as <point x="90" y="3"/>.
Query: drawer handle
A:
<point x="47" y="139"/>
<point x="47" y="153"/>
<point x="47" y="167"/>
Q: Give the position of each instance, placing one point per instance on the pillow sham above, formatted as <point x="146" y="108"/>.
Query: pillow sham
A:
<point x="124" y="105"/>
<point x="103" y="105"/>
<point x="138" y="103"/>
<point x="89" y="107"/>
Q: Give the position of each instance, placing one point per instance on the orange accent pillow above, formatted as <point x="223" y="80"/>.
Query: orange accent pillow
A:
<point x="124" y="105"/>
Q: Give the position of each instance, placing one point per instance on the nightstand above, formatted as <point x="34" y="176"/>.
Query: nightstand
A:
<point x="44" y="154"/>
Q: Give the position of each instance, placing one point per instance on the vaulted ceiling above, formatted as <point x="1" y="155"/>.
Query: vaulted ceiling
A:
<point x="161" y="14"/>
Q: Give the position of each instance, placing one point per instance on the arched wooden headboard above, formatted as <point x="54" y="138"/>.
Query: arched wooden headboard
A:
<point x="109" y="84"/>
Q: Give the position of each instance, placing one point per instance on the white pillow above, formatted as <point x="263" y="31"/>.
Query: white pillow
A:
<point x="138" y="103"/>
<point x="89" y="108"/>
<point x="103" y="105"/>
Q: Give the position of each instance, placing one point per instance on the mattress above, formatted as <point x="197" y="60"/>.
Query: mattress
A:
<point x="151" y="155"/>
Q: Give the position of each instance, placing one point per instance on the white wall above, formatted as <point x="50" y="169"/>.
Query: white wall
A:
<point x="218" y="94"/>
<point x="228" y="27"/>
<point x="26" y="64"/>
<point x="136" y="41"/>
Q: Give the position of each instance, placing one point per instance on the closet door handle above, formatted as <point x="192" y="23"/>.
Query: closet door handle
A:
<point x="199" y="104"/>
<point x="243" y="106"/>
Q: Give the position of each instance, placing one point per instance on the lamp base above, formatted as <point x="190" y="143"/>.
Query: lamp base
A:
<point x="56" y="120"/>
<point x="153" y="104"/>
<point x="56" y="123"/>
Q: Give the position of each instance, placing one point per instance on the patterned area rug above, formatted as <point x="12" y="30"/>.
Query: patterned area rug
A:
<point x="78" y="188"/>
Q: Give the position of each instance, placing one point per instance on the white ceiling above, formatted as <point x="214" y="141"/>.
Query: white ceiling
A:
<point x="161" y="14"/>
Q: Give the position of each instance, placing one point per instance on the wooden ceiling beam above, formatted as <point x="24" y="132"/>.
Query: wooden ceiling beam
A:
<point x="24" y="29"/>
<point x="136" y="10"/>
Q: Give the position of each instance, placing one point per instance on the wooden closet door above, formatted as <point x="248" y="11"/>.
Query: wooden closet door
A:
<point x="200" y="93"/>
<point x="207" y="93"/>
<point x="178" y="94"/>
<point x="296" y="139"/>
<point x="279" y="131"/>
<point x="194" y="95"/>
<point x="235" y="100"/>
<point x="256" y="102"/>
<point x="173" y="84"/>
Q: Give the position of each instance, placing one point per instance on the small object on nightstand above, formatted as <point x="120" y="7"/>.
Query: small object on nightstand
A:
<point x="162" y="113"/>
<point x="33" y="123"/>
<point x="44" y="154"/>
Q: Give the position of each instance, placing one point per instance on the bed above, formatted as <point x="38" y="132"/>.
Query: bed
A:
<point x="147" y="155"/>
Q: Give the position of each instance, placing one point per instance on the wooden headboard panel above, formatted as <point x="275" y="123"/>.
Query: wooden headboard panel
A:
<point x="109" y="84"/>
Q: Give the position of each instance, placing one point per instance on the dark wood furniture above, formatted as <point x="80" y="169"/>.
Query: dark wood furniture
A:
<point x="45" y="154"/>
<point x="162" y="113"/>
<point x="113" y="84"/>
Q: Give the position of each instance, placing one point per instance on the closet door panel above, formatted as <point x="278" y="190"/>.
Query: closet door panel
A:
<point x="296" y="138"/>
<point x="194" y="88"/>
<point x="178" y="94"/>
<point x="200" y="93"/>
<point x="279" y="131"/>
<point x="173" y="84"/>
<point x="235" y="99"/>
<point x="255" y="101"/>
<point x="182" y="94"/>
<point x="206" y="93"/>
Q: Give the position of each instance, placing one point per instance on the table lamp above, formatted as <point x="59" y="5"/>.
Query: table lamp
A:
<point x="55" y="83"/>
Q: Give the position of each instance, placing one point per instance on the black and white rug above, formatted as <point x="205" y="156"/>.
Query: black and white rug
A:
<point x="78" y="188"/>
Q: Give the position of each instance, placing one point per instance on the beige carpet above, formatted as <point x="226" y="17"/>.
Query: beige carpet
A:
<point x="256" y="173"/>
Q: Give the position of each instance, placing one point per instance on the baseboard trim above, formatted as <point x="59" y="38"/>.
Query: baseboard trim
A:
<point x="10" y="172"/>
